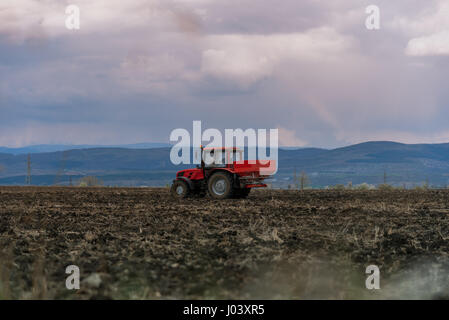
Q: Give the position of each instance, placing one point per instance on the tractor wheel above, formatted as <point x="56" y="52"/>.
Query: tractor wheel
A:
<point x="220" y="186"/>
<point x="180" y="189"/>
<point x="242" y="193"/>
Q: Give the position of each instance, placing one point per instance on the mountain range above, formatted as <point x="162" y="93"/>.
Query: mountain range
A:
<point x="63" y="147"/>
<point x="369" y="162"/>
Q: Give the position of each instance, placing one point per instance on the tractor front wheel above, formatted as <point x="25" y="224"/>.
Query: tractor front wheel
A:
<point x="219" y="186"/>
<point x="180" y="189"/>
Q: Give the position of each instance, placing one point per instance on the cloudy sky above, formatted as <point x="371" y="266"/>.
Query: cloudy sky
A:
<point x="138" y="69"/>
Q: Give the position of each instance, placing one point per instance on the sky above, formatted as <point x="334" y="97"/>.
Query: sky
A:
<point x="137" y="69"/>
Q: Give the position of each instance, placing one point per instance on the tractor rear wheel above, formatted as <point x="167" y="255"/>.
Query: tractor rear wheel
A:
<point x="220" y="186"/>
<point x="180" y="189"/>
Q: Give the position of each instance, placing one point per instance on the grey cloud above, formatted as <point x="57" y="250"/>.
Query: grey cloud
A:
<point x="307" y="67"/>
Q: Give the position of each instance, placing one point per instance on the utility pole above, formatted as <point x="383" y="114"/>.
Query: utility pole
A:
<point x="60" y="173"/>
<point x="385" y="176"/>
<point x="304" y="180"/>
<point x="28" y="178"/>
<point x="295" y="180"/>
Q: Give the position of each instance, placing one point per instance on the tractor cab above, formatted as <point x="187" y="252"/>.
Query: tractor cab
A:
<point x="221" y="157"/>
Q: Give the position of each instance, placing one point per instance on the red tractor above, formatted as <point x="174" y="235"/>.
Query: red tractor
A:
<point x="222" y="179"/>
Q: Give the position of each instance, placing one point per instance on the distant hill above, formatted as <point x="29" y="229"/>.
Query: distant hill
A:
<point x="61" y="147"/>
<point x="366" y="162"/>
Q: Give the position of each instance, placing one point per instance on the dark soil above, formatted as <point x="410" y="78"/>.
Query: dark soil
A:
<point x="138" y="243"/>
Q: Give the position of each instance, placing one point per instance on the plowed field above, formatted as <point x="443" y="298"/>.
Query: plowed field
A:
<point x="141" y="244"/>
